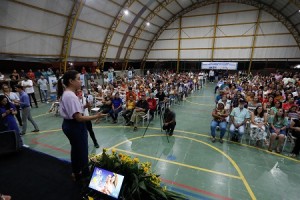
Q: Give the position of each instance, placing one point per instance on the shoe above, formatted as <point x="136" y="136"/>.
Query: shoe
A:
<point x="221" y="140"/>
<point x="96" y="145"/>
<point x="114" y="122"/>
<point x="270" y="149"/>
<point x="22" y="133"/>
<point x="36" y="106"/>
<point x="170" y="133"/>
<point x="135" y="128"/>
<point x="278" y="150"/>
<point x="213" y="140"/>
<point x="292" y="155"/>
<point x="35" y="131"/>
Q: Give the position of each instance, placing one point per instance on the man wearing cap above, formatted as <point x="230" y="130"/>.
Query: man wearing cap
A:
<point x="238" y="119"/>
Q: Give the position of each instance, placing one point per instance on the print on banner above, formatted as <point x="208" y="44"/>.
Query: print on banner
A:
<point x="52" y="83"/>
<point x="219" y="65"/>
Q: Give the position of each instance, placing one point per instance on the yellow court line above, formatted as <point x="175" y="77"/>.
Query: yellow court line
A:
<point x="40" y="115"/>
<point x="208" y="136"/>
<point x="216" y="149"/>
<point x="180" y="164"/>
<point x="187" y="132"/>
<point x="232" y="162"/>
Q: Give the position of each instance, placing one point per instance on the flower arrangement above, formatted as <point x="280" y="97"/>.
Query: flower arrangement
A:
<point x="140" y="183"/>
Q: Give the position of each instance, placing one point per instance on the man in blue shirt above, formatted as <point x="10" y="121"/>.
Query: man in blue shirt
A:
<point x="25" y="106"/>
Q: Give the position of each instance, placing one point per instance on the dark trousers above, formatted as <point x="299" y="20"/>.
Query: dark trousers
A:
<point x="114" y="113"/>
<point x="170" y="127"/>
<point x="127" y="115"/>
<point x="76" y="132"/>
<point x="32" y="95"/>
<point x="296" y="148"/>
<point x="89" y="127"/>
<point x="18" y="115"/>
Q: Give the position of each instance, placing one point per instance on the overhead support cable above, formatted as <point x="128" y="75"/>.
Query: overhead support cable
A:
<point x="264" y="7"/>
<point x="110" y="33"/>
<point x="69" y="31"/>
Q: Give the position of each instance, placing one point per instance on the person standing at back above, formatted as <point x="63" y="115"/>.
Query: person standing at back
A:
<point x="86" y="106"/>
<point x="28" y="85"/>
<point x="43" y="83"/>
<point x="74" y="123"/>
<point x="26" y="113"/>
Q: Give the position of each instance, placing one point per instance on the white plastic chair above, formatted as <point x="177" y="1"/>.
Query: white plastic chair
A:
<point x="146" y="117"/>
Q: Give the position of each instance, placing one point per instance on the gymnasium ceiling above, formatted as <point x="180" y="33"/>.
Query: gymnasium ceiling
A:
<point x="100" y="30"/>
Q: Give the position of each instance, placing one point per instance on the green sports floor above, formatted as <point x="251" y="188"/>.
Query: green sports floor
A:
<point x="190" y="163"/>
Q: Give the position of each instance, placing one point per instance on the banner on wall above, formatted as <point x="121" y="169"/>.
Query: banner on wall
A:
<point x="219" y="65"/>
<point x="52" y="83"/>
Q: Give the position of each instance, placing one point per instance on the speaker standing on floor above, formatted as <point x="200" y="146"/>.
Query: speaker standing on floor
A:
<point x="9" y="142"/>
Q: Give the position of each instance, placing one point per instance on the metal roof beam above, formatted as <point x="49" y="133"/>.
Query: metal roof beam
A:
<point x="287" y="23"/>
<point x="69" y="31"/>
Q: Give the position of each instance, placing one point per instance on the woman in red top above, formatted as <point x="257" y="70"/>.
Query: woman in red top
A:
<point x="31" y="75"/>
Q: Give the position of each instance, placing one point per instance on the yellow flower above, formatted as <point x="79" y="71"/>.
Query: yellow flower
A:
<point x="136" y="160"/>
<point x="146" y="169"/>
<point x="113" y="151"/>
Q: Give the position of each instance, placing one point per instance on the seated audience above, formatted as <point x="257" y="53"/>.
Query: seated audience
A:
<point x="259" y="120"/>
<point x="278" y="125"/>
<point x="238" y="118"/>
<point x="219" y="115"/>
<point x="295" y="129"/>
<point x="141" y="108"/>
<point x="130" y="105"/>
<point x="116" y="107"/>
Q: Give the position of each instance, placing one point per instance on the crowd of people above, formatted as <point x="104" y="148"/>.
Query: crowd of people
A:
<point x="267" y="105"/>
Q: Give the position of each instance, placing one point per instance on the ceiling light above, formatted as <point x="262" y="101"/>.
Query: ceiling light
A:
<point x="148" y="23"/>
<point x="126" y="12"/>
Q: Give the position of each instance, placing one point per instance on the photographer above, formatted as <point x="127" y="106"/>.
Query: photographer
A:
<point x="169" y="120"/>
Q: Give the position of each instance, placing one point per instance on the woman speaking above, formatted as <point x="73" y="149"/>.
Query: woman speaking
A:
<point x="74" y="122"/>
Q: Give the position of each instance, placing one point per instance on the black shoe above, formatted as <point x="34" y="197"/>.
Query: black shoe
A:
<point x="35" y="131"/>
<point x="96" y="145"/>
<point x="22" y="133"/>
<point x="128" y="123"/>
<point x="135" y="128"/>
<point x="213" y="140"/>
<point x="170" y="133"/>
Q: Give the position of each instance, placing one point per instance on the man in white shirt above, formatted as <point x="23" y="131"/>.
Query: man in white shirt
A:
<point x="43" y="83"/>
<point x="28" y="86"/>
<point x="211" y="76"/>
